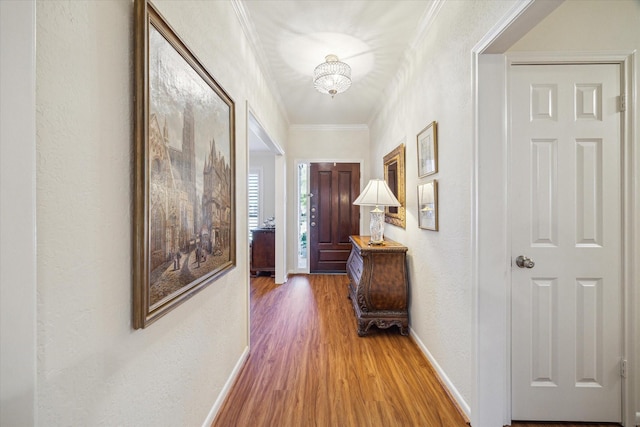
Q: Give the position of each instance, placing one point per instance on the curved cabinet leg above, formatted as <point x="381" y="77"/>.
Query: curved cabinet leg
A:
<point x="363" y="327"/>
<point x="404" y="329"/>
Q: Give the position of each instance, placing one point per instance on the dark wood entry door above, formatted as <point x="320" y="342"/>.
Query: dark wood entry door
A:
<point x="332" y="217"/>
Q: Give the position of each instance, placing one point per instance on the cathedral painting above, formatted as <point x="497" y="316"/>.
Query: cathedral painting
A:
<point x="186" y="167"/>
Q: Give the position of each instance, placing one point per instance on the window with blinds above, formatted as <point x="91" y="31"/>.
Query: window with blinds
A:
<point x="254" y="200"/>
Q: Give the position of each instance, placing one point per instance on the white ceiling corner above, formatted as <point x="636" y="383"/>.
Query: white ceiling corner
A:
<point x="291" y="37"/>
<point x="254" y="43"/>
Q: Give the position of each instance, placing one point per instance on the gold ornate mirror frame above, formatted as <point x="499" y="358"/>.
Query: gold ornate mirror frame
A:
<point x="394" y="175"/>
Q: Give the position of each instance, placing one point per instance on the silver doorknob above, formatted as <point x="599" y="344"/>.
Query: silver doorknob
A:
<point x="524" y="262"/>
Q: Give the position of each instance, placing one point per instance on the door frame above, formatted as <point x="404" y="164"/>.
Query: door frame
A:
<point x="551" y="59"/>
<point x="491" y="263"/>
<point x="308" y="162"/>
<point x="18" y="215"/>
<point x="255" y="129"/>
<point x="318" y="248"/>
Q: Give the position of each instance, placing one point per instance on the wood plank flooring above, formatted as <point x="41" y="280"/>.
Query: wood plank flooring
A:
<point x="308" y="367"/>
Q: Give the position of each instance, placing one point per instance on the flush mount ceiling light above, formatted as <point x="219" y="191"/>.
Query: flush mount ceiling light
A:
<point x="332" y="77"/>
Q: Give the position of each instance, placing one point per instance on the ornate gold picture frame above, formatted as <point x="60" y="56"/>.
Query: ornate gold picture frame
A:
<point x="395" y="177"/>
<point x="184" y="193"/>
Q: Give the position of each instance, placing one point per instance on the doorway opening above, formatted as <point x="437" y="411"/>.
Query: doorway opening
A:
<point x="565" y="202"/>
<point x="266" y="162"/>
<point x="493" y="310"/>
<point x="325" y="215"/>
<point x="333" y="217"/>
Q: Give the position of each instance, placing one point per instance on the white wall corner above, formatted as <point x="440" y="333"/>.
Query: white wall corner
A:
<point x="226" y="389"/>
<point x="444" y="378"/>
<point x="18" y="282"/>
<point x="281" y="219"/>
<point x="491" y="401"/>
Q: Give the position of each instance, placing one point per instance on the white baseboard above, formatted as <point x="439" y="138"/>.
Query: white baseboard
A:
<point x="225" y="390"/>
<point x="464" y="406"/>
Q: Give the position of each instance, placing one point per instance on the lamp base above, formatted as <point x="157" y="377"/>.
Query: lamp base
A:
<point x="376" y="227"/>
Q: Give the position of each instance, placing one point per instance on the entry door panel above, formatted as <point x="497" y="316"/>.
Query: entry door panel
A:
<point x="566" y="216"/>
<point x="333" y="217"/>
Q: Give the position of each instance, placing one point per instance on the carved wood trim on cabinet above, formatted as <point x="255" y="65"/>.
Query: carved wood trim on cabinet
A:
<point x="378" y="285"/>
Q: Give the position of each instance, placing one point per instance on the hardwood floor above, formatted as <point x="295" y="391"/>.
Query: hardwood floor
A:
<point x="308" y="367"/>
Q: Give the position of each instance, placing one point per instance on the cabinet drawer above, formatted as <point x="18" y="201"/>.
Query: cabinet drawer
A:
<point x="354" y="267"/>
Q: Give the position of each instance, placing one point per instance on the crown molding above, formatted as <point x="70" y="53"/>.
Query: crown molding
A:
<point x="425" y="23"/>
<point x="423" y="28"/>
<point x="256" y="47"/>
<point x="330" y="127"/>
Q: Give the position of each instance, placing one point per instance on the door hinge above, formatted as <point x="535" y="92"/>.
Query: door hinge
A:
<point x="623" y="368"/>
<point x="622" y="103"/>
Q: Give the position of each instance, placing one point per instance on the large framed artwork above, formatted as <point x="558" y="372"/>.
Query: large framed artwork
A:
<point x="394" y="175"/>
<point x="428" y="150"/>
<point x="184" y="192"/>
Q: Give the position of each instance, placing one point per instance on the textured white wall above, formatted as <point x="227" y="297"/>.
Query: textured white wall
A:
<point x="93" y="368"/>
<point x="348" y="144"/>
<point x="611" y="25"/>
<point x="436" y="85"/>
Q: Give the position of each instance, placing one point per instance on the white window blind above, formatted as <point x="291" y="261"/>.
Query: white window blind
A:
<point x="254" y="200"/>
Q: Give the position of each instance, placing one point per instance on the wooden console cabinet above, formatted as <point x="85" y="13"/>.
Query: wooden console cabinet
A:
<point x="378" y="285"/>
<point x="263" y="250"/>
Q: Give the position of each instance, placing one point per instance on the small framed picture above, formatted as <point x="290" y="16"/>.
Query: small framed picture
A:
<point x="428" y="150"/>
<point x="428" y="205"/>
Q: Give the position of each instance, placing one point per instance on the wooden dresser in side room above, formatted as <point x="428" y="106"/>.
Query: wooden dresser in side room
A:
<point x="378" y="286"/>
<point x="263" y="251"/>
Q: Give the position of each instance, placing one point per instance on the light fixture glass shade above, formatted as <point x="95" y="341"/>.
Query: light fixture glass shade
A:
<point x="332" y="77"/>
<point x="377" y="193"/>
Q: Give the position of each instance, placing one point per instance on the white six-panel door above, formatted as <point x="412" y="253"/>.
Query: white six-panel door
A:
<point x="566" y="216"/>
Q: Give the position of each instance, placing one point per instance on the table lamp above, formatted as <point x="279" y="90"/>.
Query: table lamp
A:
<point x="377" y="193"/>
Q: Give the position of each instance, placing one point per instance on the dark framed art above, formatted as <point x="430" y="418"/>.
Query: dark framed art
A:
<point x="428" y="150"/>
<point x="184" y="192"/>
<point x="428" y="205"/>
<point x="395" y="177"/>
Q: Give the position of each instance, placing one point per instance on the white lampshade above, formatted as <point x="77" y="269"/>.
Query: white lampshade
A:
<point x="377" y="193"/>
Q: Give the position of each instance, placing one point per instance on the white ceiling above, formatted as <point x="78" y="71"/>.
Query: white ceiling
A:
<point x="292" y="37"/>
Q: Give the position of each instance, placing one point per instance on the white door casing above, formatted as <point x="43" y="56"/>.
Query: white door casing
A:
<point x="566" y="215"/>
